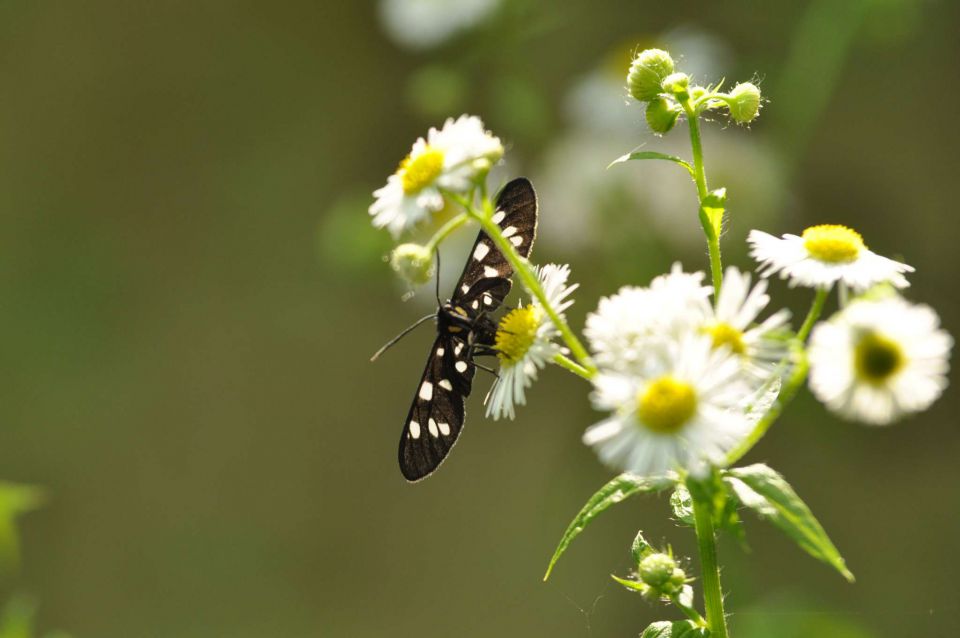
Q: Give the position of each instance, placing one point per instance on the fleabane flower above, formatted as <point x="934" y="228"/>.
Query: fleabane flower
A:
<point x="824" y="255"/>
<point x="878" y="359"/>
<point x="448" y="159"/>
<point x="629" y="327"/>
<point x="732" y="324"/>
<point x="686" y="412"/>
<point x="524" y="342"/>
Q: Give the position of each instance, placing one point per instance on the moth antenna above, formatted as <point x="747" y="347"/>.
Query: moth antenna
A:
<point x="400" y="336"/>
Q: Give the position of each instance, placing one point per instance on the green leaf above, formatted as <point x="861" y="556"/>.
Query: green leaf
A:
<point x="682" y="504"/>
<point x="14" y="500"/>
<point x="618" y="489"/>
<point x="632" y="585"/>
<point x="766" y="492"/>
<point x="640" y="548"/>
<point x="675" y="629"/>
<point x="713" y="206"/>
<point x="652" y="155"/>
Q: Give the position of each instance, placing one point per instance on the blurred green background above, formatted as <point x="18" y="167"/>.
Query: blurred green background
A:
<point x="191" y="289"/>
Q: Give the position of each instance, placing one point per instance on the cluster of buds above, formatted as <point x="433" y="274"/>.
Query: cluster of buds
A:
<point x="657" y="576"/>
<point x="654" y="80"/>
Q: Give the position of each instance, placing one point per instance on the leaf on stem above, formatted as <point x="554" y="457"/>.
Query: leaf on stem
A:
<point x="652" y="155"/>
<point x="765" y="491"/>
<point x="618" y="489"/>
<point x="712" y="207"/>
<point x="675" y="629"/>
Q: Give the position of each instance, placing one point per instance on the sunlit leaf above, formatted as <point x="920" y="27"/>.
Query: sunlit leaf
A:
<point x="766" y="492"/>
<point x="618" y="489"/>
<point x="652" y="155"/>
<point x="682" y="505"/>
<point x="675" y="629"/>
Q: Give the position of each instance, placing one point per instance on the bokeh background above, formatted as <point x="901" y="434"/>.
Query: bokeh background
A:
<point x="191" y="289"/>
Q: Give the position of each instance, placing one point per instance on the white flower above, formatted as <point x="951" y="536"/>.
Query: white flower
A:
<point x="628" y="328"/>
<point x="448" y="159"/>
<point x="421" y="24"/>
<point x="688" y="411"/>
<point x="732" y="323"/>
<point x="823" y="255"/>
<point x="524" y="342"/>
<point x="879" y="359"/>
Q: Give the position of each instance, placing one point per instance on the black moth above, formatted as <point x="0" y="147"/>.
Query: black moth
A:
<point x="465" y="330"/>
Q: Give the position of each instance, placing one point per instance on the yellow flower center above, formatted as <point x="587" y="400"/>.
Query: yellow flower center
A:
<point x="516" y="333"/>
<point x="724" y="334"/>
<point x="833" y="243"/>
<point x="420" y="171"/>
<point x="666" y="405"/>
<point x="877" y="358"/>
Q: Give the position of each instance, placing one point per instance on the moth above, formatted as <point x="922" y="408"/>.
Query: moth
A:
<point x="465" y="329"/>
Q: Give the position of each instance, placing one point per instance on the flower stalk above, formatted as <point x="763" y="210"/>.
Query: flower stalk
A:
<point x="709" y="568"/>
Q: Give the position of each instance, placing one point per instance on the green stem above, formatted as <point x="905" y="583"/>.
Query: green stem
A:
<point x="710" y="229"/>
<point x="709" y="568"/>
<point x="689" y="612"/>
<point x="572" y="366"/>
<point x="793" y="384"/>
<point x="529" y="280"/>
<point x="445" y="230"/>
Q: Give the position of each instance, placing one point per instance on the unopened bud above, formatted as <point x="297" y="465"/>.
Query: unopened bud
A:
<point x="647" y="72"/>
<point x="744" y="102"/>
<point x="676" y="84"/>
<point x="662" y="115"/>
<point x="413" y="262"/>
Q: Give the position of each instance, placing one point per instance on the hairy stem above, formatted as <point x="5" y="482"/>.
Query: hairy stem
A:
<point x="710" y="229"/>
<point x="709" y="569"/>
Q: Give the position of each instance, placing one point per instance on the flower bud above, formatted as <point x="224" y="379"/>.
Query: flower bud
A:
<point x="676" y="84"/>
<point x="661" y="573"/>
<point x="744" y="102"/>
<point x="413" y="262"/>
<point x="662" y="115"/>
<point x="647" y="73"/>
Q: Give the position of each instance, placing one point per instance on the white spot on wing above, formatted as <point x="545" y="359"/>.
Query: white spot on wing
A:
<point x="475" y="304"/>
<point x="414" y="429"/>
<point x="480" y="251"/>
<point x="498" y="216"/>
<point x="457" y="348"/>
<point x="426" y="391"/>
<point x="446" y="385"/>
<point x="461" y="366"/>
<point x="487" y="299"/>
<point x="489" y="271"/>
<point x="432" y="426"/>
<point x="509" y="231"/>
<point x="516" y="240"/>
<point x="439" y="352"/>
<point x="444" y="428"/>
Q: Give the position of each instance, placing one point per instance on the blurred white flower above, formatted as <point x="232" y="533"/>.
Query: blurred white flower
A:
<point x="422" y="24"/>
<point x="824" y="255"/>
<point x="879" y="359"/>
<point x="525" y="343"/>
<point x="629" y="330"/>
<point x="448" y="159"/>
<point x="733" y="324"/>
<point x="686" y="411"/>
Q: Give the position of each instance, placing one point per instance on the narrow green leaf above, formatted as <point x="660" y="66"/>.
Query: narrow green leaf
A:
<point x="763" y="490"/>
<point x="713" y="207"/>
<point x="652" y="155"/>
<point x="632" y="585"/>
<point x="618" y="489"/>
<point x="675" y="629"/>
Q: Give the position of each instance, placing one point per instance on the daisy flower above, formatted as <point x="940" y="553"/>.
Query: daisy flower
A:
<point x="524" y="342"/>
<point x="688" y="411"/>
<point x="733" y="324"/>
<point x="879" y="359"/>
<point x="823" y="255"/>
<point x="628" y="327"/>
<point x="448" y="159"/>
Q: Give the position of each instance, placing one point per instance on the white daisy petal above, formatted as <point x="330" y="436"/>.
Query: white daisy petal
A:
<point x="878" y="359"/>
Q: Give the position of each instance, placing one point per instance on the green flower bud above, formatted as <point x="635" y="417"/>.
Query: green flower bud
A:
<point x="676" y="84"/>
<point x="647" y="73"/>
<point x="656" y="570"/>
<point x="413" y="262"/>
<point x="744" y="102"/>
<point x="662" y="115"/>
